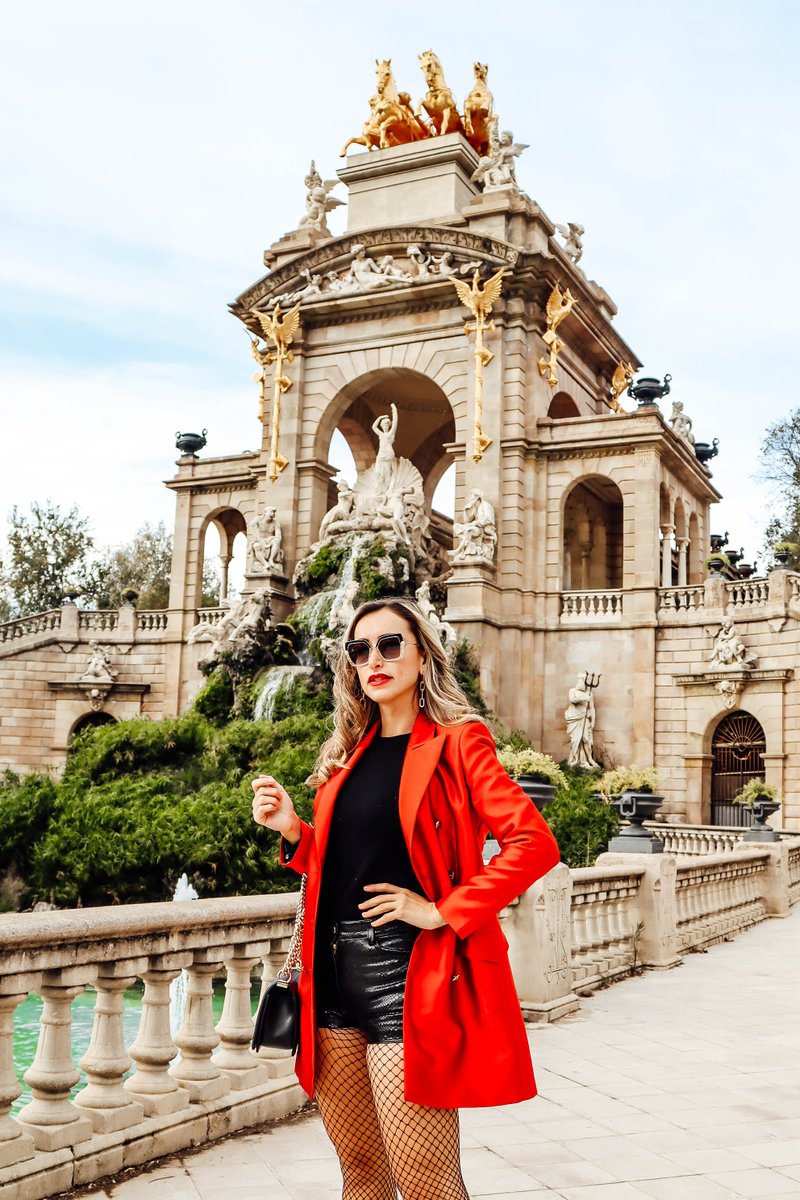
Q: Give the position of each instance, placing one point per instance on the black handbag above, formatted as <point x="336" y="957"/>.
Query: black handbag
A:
<point x="277" y="1022"/>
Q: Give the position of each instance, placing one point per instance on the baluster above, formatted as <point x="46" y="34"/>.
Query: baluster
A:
<point x="105" y="1101"/>
<point x="154" y="1049"/>
<point x="593" y="936"/>
<point x="196" y="1070"/>
<point x="235" y="1027"/>
<point x="15" y="1144"/>
<point x="51" y="1118"/>
<point x="579" y="939"/>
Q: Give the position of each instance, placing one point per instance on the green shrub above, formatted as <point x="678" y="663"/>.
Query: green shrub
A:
<point x="26" y="807"/>
<point x="214" y="701"/>
<point x="628" y="779"/>
<point x="581" y="824"/>
<point x="754" y="790"/>
<point x="467" y="671"/>
<point x="524" y="760"/>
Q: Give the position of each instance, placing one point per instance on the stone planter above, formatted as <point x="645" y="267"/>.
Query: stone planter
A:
<point x="636" y="807"/>
<point x="540" y="793"/>
<point x="761" y="832"/>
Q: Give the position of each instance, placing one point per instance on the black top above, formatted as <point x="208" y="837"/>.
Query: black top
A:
<point x="366" y="843"/>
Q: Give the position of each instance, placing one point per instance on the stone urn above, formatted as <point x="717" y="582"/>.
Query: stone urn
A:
<point x="761" y="832"/>
<point x="636" y="807"/>
<point x="705" y="451"/>
<point x="536" y="790"/>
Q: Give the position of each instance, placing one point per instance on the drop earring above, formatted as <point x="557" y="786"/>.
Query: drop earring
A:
<point x="421" y="692"/>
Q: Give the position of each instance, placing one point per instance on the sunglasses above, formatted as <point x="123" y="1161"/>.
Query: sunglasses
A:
<point x="390" y="647"/>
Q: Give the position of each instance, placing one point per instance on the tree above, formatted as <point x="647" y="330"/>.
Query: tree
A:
<point x="143" y="563"/>
<point x="49" y="553"/>
<point x="780" y="465"/>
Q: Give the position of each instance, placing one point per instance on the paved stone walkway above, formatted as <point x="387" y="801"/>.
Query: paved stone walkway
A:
<point x="683" y="1085"/>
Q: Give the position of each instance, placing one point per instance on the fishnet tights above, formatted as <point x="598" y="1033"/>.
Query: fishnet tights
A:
<point x="383" y="1141"/>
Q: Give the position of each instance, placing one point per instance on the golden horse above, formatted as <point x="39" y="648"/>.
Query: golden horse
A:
<point x="439" y="103"/>
<point x="479" y="111"/>
<point x="391" y="121"/>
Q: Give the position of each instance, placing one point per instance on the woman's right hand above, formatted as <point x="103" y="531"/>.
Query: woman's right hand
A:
<point x="273" y="808"/>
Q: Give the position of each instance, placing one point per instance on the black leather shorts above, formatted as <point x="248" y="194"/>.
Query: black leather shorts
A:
<point x="360" y="977"/>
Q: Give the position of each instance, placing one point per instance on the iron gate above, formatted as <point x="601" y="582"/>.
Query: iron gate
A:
<point x="737" y="748"/>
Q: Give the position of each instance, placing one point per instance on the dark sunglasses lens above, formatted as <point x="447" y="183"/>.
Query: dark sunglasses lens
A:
<point x="390" y="646"/>
<point x="358" y="653"/>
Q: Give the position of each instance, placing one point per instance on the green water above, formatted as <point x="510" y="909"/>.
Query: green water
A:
<point x="26" y="1028"/>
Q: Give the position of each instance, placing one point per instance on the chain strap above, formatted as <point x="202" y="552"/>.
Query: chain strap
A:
<point x="293" y="954"/>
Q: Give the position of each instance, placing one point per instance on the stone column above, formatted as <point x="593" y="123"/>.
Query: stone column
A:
<point x="51" y="1118"/>
<point x="154" y="1049"/>
<point x="666" y="555"/>
<point x="683" y="561"/>
<point x="225" y="562"/>
<point x="539" y="947"/>
<point x="15" y="1144"/>
<point x="196" y="1070"/>
<point x="235" y="1028"/>
<point x="103" y="1099"/>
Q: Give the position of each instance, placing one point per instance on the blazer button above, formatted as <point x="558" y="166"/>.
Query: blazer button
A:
<point x="455" y="977"/>
<point x="452" y="875"/>
<point x="436" y="824"/>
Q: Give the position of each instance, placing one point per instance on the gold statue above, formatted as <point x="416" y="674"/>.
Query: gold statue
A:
<point x="439" y="103"/>
<point x="392" y="121"/>
<point x="480" y="302"/>
<point x="619" y="382"/>
<point x="559" y="306"/>
<point x="479" y="112"/>
<point x="281" y="332"/>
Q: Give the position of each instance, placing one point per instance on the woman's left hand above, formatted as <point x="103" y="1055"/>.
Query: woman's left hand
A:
<point x="392" y="903"/>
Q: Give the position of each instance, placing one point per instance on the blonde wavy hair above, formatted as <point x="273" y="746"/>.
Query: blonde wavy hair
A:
<point x="354" y="712"/>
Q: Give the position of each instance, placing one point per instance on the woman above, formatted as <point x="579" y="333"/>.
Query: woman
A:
<point x="408" y="1005"/>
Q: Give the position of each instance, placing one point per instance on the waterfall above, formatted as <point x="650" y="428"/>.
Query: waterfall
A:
<point x="177" y="989"/>
<point x="270" y="684"/>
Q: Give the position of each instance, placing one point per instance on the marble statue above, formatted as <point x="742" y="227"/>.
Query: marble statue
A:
<point x="573" y="240"/>
<point x="475" y="538"/>
<point x="319" y="201"/>
<point x="365" y="274"/>
<point x="446" y="631"/>
<point x="580" y="718"/>
<point x="729" y="649"/>
<point x="100" y="669"/>
<point x="336" y="519"/>
<point x="479" y="112"/>
<point x="385" y="428"/>
<point x="497" y="169"/>
<point x="266" y="549"/>
<point x="681" y="423"/>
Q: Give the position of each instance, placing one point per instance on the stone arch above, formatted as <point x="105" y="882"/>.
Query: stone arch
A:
<point x="562" y="407"/>
<point x="738" y="743"/>
<point x="229" y="523"/>
<point x="592" y="539"/>
<point x="89" y="720"/>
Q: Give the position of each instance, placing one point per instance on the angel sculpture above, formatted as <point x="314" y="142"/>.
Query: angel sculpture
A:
<point x="496" y="169"/>
<point x="622" y="376"/>
<point x="281" y="332"/>
<point x="573" y="239"/>
<point x="559" y="306"/>
<point x="480" y="301"/>
<point x="319" y="202"/>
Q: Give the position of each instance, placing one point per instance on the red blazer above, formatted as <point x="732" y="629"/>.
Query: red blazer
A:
<point x="464" y="1037"/>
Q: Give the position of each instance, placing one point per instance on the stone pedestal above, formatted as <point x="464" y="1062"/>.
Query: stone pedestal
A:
<point x="539" y="946"/>
<point x="657" y="909"/>
<point x="423" y="181"/>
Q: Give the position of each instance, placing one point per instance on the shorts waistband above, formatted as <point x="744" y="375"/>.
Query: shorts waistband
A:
<point x="365" y="929"/>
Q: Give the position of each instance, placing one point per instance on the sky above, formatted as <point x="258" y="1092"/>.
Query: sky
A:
<point x="149" y="153"/>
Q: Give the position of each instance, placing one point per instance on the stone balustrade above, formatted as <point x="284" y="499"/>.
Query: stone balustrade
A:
<point x="681" y="599"/>
<point x="151" y="620"/>
<point x="45" y="622"/>
<point x="691" y="840"/>
<point x="591" y="606"/>
<point x="747" y="593"/>
<point x="209" y="616"/>
<point x="205" y="1083"/>
<point x="570" y="933"/>
<point x="98" y="620"/>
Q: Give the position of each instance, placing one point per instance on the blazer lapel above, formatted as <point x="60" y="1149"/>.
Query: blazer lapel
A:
<point x="424" y="748"/>
<point x="328" y="794"/>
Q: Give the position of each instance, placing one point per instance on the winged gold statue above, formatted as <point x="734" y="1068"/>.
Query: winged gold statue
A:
<point x="619" y="382"/>
<point x="480" y="301"/>
<point x="559" y="306"/>
<point x="279" y="332"/>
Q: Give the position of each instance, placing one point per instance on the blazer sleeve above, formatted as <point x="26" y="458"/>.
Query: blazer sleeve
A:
<point x="297" y="857"/>
<point x="528" y="849"/>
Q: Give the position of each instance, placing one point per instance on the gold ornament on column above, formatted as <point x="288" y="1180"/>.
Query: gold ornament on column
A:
<point x="619" y="382"/>
<point x="480" y="300"/>
<point x="559" y="306"/>
<point x="281" y="333"/>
